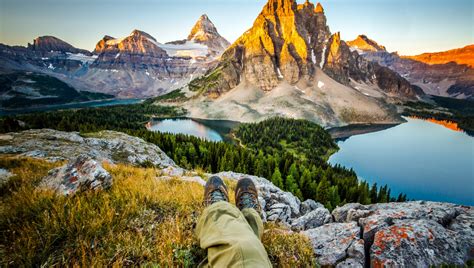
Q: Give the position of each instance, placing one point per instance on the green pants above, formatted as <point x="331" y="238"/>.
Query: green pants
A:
<point x="232" y="237"/>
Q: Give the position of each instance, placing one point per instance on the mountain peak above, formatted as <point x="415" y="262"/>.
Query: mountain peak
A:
<point x="280" y="7"/>
<point x="137" y="43"/>
<point x="138" y="33"/>
<point x="204" y="17"/>
<point x="50" y="43"/>
<point x="205" y="32"/>
<point x="363" y="43"/>
<point x="202" y="29"/>
<point x="319" y="8"/>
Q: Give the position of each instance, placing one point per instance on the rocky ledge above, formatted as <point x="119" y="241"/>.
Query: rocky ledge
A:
<point x="412" y="234"/>
<point x="109" y="146"/>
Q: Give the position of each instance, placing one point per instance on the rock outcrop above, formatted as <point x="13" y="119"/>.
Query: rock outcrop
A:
<point x="81" y="174"/>
<point x="420" y="234"/>
<point x="337" y="242"/>
<point x="109" y="146"/>
<point x="411" y="234"/>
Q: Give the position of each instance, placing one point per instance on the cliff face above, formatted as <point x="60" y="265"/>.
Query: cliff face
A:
<point x="447" y="74"/>
<point x="287" y="42"/>
<point x="137" y="49"/>
<point x="410" y="234"/>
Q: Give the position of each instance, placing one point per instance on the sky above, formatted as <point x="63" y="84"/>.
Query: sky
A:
<point x="407" y="26"/>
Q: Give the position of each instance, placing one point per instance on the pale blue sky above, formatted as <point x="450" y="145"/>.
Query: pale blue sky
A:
<point x="407" y="26"/>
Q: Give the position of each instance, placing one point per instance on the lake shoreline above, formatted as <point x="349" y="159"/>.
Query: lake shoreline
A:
<point x="342" y="133"/>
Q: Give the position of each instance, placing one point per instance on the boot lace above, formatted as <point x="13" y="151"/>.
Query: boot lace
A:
<point x="248" y="200"/>
<point x="217" y="196"/>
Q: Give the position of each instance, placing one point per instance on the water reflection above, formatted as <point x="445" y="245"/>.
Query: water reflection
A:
<point x="184" y="126"/>
<point x="445" y="123"/>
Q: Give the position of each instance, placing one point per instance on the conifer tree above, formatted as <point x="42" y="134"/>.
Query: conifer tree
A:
<point x="277" y="179"/>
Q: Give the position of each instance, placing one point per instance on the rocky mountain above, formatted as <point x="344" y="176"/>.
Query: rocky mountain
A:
<point x="447" y="74"/>
<point x="410" y="234"/>
<point x="51" y="43"/>
<point x="133" y="66"/>
<point x="291" y="47"/>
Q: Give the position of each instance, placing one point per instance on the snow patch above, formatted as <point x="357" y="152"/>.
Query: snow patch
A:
<point x="323" y="57"/>
<point x="114" y="42"/>
<point x="279" y="73"/>
<point x="313" y="57"/>
<point x="188" y="49"/>
<point x="81" y="57"/>
<point x="356" y="48"/>
<point x="51" y="66"/>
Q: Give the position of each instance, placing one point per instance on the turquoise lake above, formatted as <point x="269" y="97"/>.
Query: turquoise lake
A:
<point x="422" y="159"/>
<point x="211" y="130"/>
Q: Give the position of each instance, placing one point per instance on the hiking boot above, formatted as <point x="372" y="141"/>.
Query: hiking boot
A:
<point x="246" y="195"/>
<point x="215" y="191"/>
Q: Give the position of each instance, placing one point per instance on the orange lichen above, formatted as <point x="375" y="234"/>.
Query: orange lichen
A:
<point x="378" y="264"/>
<point x="394" y="234"/>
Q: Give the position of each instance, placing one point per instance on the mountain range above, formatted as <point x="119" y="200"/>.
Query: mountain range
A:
<point x="288" y="63"/>
<point x="135" y="66"/>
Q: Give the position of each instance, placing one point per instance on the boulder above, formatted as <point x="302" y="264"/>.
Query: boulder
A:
<point x="331" y="243"/>
<point x="313" y="219"/>
<point x="309" y="205"/>
<point x="78" y="175"/>
<point x="416" y="243"/>
<point x="431" y="233"/>
<point x="340" y="213"/>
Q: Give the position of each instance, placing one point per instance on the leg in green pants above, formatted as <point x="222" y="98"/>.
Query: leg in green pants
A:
<point x="232" y="237"/>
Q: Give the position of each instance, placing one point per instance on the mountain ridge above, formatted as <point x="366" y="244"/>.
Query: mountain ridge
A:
<point x="464" y="55"/>
<point x="446" y="74"/>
